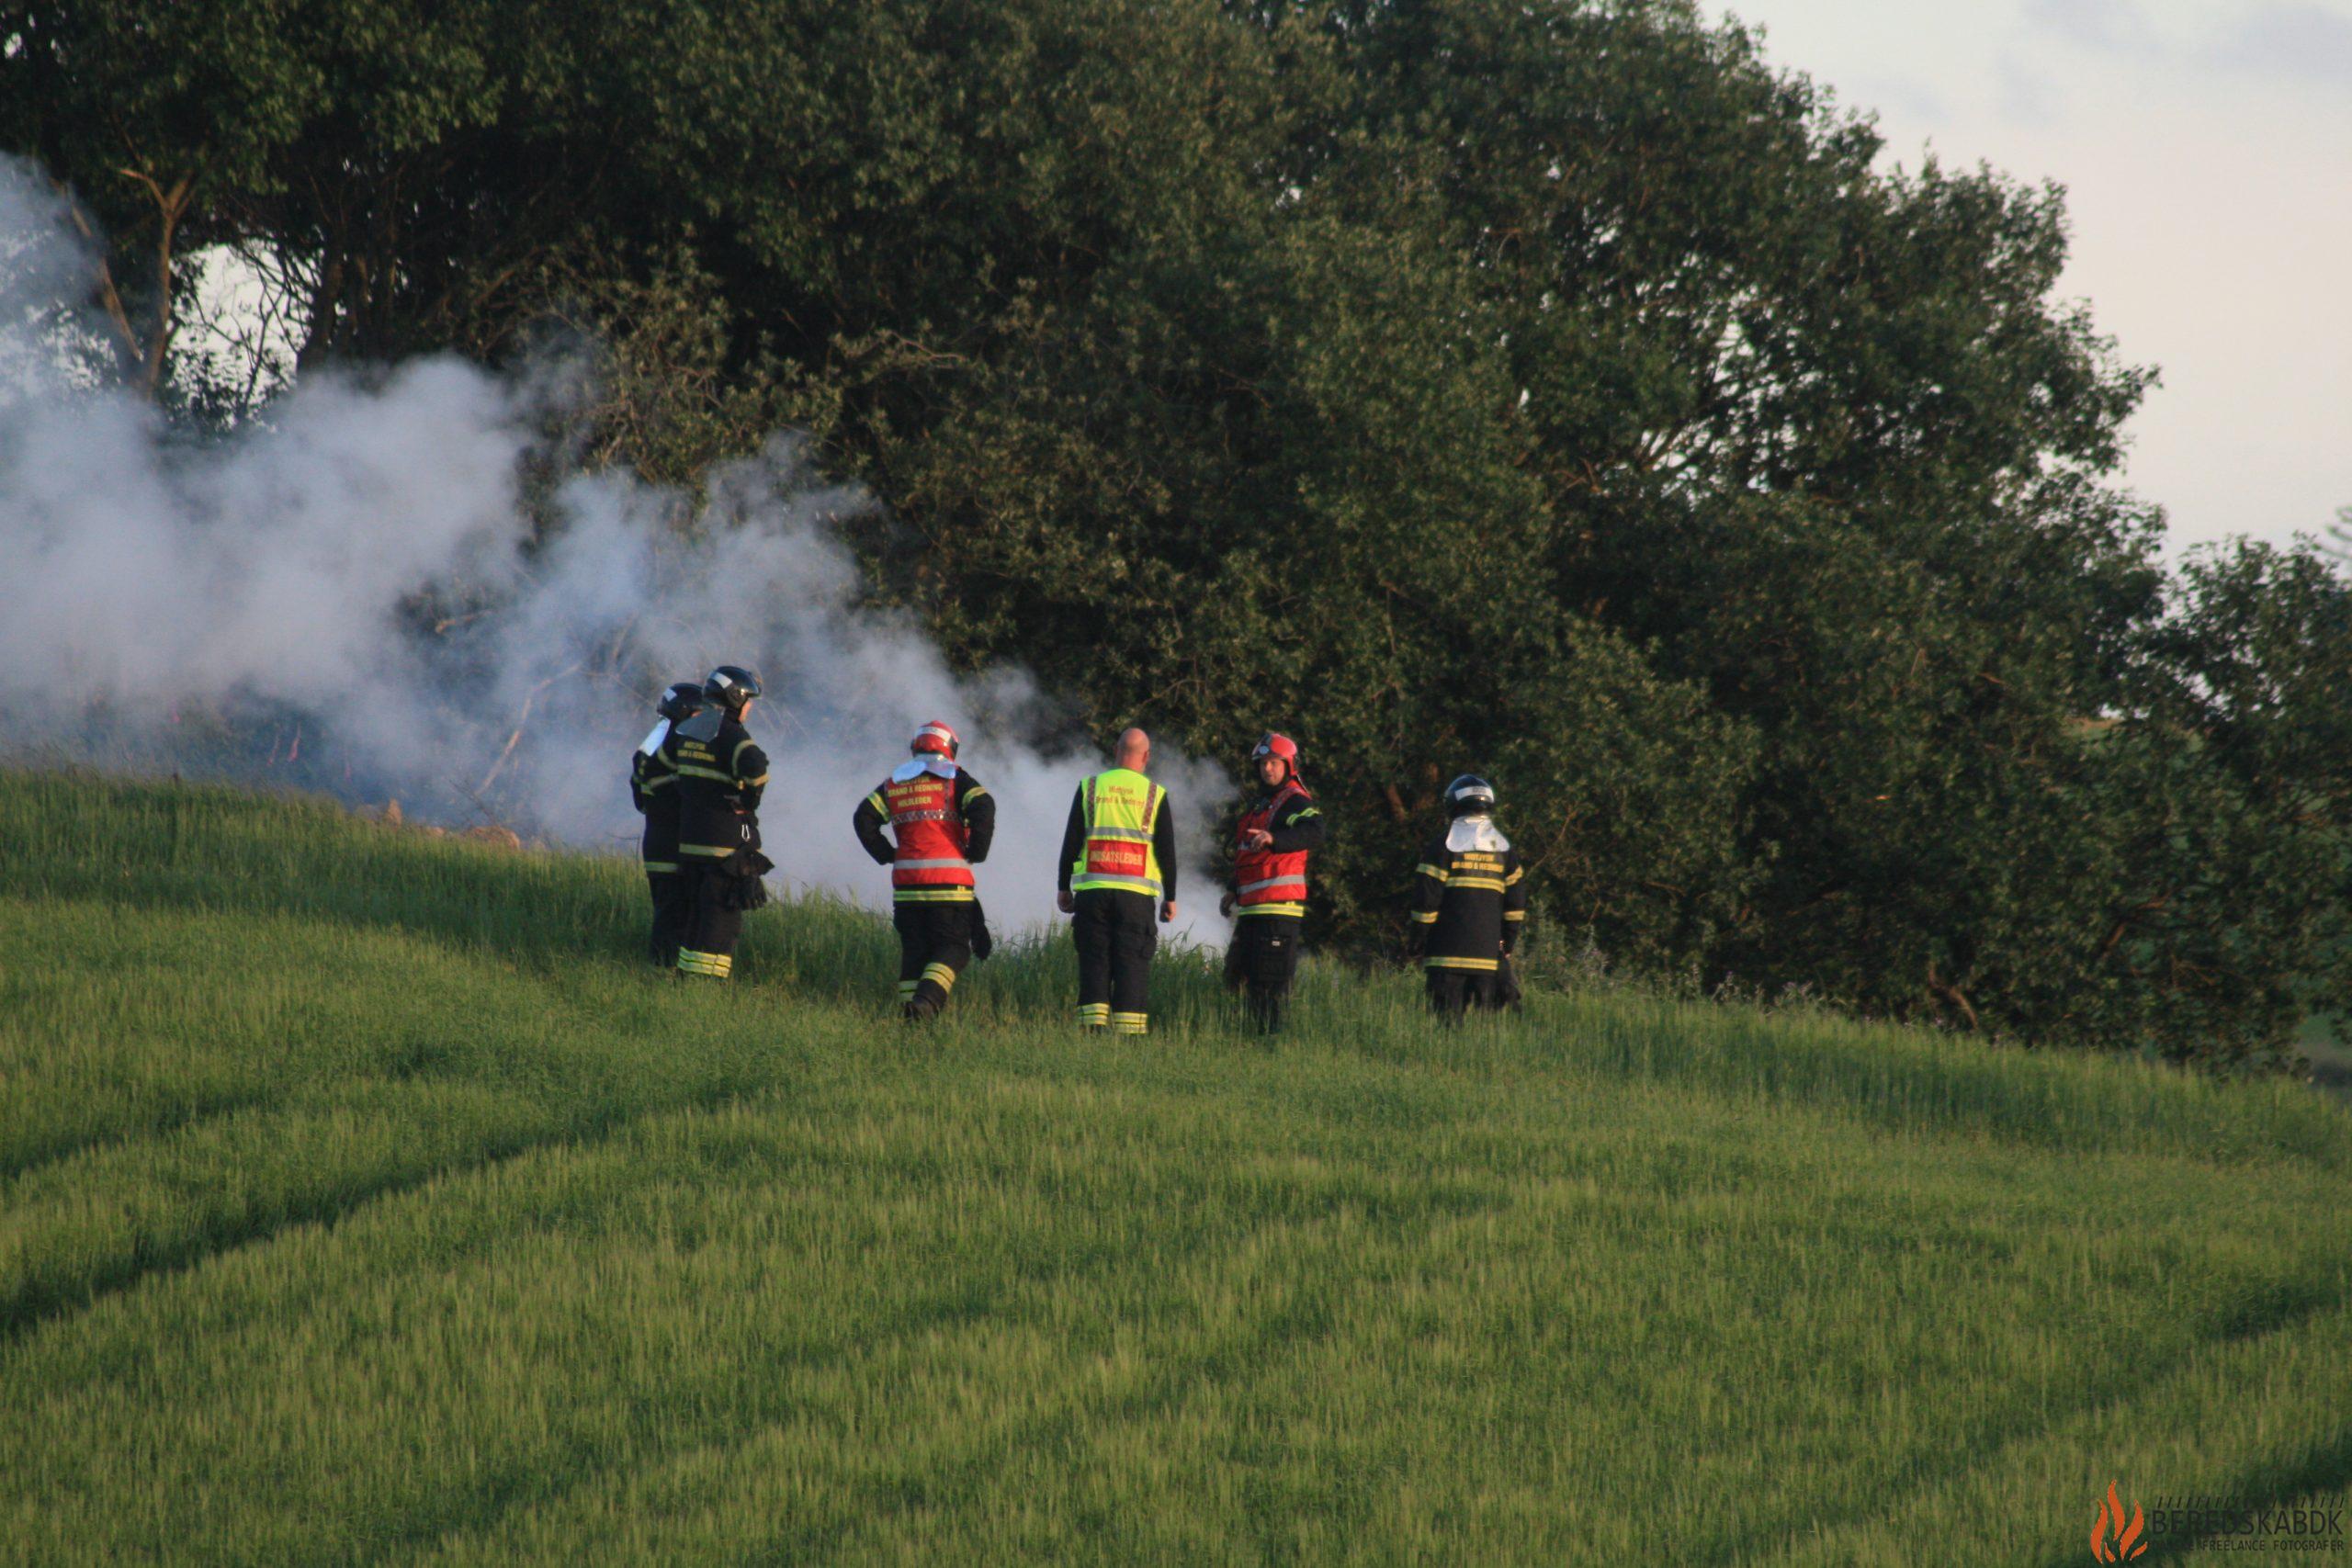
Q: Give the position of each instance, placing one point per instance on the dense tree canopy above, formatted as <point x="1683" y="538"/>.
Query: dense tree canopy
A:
<point x="1552" y="391"/>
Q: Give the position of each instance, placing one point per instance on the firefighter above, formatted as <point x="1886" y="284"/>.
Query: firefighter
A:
<point x="1469" y="900"/>
<point x="1269" y="898"/>
<point x="943" y="822"/>
<point x="721" y="771"/>
<point x="1118" y="861"/>
<point x="652" y="789"/>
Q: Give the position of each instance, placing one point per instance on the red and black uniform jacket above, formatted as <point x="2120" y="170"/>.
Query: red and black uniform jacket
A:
<point x="1272" y="880"/>
<point x="944" y="823"/>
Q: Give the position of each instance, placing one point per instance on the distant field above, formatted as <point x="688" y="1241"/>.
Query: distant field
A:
<point x="367" y="1199"/>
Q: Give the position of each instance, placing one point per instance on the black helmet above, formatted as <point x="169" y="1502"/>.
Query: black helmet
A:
<point x="730" y="686"/>
<point x="1469" y="795"/>
<point x="682" y="701"/>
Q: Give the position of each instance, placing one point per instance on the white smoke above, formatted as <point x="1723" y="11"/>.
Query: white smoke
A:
<point x="351" y="593"/>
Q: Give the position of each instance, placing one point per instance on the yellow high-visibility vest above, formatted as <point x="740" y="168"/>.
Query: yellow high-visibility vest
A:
<point x="1121" y="807"/>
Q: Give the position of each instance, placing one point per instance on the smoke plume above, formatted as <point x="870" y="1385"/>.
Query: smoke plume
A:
<point x="356" y="593"/>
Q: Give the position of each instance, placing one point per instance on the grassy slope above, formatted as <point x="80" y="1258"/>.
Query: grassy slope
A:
<point x="362" y="1195"/>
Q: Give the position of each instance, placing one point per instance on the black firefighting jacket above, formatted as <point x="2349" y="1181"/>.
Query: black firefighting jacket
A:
<point x="653" y="790"/>
<point x="720" y="782"/>
<point x="1469" y="897"/>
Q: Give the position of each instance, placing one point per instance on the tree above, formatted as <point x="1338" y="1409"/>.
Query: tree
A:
<point x="1553" y="391"/>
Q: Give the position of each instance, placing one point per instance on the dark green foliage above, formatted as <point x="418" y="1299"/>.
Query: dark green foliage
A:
<point x="1557" y="392"/>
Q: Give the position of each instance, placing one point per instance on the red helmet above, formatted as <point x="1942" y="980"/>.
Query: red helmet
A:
<point x="1282" y="746"/>
<point x="938" y="737"/>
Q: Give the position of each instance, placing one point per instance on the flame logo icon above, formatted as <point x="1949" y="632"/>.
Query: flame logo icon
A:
<point x="2112" y="1540"/>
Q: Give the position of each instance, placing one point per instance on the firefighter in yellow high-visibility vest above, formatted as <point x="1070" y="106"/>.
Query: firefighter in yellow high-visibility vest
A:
<point x="1118" y="872"/>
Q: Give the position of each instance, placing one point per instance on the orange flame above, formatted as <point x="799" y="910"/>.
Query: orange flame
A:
<point x="2110" y="1528"/>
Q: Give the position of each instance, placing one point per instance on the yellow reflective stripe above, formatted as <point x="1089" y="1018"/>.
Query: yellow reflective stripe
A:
<point x="975" y="792"/>
<point x="1483" y="884"/>
<point x="880" y="805"/>
<point x="932" y="896"/>
<point x="1272" y="909"/>
<point x="694" y="771"/>
<point x="735" y="758"/>
<point x="1113" y="883"/>
<point x="1130" y="1023"/>
<point x="657" y="781"/>
<point x="1095" y="1013"/>
<point x="753" y="783"/>
<point x="717" y="965"/>
<point x="1426" y="916"/>
<point x="720" y="850"/>
<point x="1481" y="963"/>
<point x="907" y="988"/>
<point x="1426" y="869"/>
<point x="1514" y="914"/>
<point x="660" y="865"/>
<point x="1515" y="876"/>
<point x="940" y="974"/>
<point x="1123" y="809"/>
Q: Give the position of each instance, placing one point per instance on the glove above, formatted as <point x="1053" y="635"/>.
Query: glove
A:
<point x="1225" y="905"/>
<point x="744" y="890"/>
<point x="982" y="943"/>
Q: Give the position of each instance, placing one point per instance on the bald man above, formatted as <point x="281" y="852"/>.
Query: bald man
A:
<point x="1118" y="870"/>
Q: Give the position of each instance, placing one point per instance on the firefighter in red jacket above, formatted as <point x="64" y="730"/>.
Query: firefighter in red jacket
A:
<point x="1269" y="898"/>
<point x="943" y="822"/>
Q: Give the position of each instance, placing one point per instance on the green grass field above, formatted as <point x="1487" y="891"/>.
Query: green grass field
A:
<point x="368" y="1198"/>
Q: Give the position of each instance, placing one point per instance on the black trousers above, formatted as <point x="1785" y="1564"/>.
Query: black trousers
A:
<point x="934" y="946"/>
<point x="1453" y="990"/>
<point x="1116" y="935"/>
<point x="669" y="928"/>
<point x="1263" y="961"/>
<point x="706" y="945"/>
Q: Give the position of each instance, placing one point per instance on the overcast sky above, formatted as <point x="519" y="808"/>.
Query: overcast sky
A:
<point x="2206" y="149"/>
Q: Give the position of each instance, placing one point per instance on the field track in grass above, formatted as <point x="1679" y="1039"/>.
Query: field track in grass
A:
<point x="365" y="1197"/>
